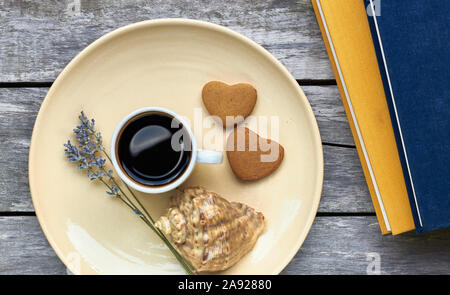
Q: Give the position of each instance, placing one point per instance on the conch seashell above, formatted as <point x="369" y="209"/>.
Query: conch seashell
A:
<point x="210" y="232"/>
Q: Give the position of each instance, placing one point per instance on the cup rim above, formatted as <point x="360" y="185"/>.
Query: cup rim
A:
<point x="146" y="188"/>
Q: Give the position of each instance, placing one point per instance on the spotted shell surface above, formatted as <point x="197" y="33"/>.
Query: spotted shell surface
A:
<point x="210" y="232"/>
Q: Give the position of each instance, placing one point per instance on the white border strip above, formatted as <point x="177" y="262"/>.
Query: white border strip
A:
<point x="395" y="110"/>
<point x="366" y="157"/>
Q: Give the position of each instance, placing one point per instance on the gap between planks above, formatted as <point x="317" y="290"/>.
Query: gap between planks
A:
<point x="47" y="84"/>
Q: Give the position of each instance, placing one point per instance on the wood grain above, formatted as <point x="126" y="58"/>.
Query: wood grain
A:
<point x="18" y="110"/>
<point x="330" y="114"/>
<point x="347" y="245"/>
<point x="344" y="188"/>
<point x="335" y="245"/>
<point x="38" y="38"/>
<point x="24" y="248"/>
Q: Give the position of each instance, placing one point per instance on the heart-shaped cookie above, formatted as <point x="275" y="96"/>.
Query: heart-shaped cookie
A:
<point x="251" y="156"/>
<point x="233" y="101"/>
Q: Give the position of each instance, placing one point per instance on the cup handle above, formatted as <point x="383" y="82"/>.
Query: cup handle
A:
<point x="209" y="157"/>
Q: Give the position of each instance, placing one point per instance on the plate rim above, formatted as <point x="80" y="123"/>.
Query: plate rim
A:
<point x="190" y="22"/>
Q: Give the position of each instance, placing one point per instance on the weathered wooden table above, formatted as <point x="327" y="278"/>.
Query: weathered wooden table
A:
<point x="38" y="38"/>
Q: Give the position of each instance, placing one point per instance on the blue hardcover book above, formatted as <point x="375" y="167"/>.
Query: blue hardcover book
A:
<point x="412" y="40"/>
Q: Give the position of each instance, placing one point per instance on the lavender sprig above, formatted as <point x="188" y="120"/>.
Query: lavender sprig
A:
<point x="86" y="154"/>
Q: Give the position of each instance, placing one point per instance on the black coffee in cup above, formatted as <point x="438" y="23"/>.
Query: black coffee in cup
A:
<point x="153" y="149"/>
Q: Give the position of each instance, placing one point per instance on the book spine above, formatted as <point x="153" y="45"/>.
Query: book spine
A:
<point x="381" y="220"/>
<point x="389" y="101"/>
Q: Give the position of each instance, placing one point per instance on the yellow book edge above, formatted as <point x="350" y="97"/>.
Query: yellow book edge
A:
<point x="347" y="36"/>
<point x="365" y="162"/>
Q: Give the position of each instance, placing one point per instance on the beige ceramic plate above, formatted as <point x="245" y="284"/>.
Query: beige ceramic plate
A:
<point x="166" y="63"/>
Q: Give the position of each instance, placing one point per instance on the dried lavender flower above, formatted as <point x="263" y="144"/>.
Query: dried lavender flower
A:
<point x="86" y="155"/>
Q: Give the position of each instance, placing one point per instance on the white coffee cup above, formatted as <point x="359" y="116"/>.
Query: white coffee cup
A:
<point x="197" y="155"/>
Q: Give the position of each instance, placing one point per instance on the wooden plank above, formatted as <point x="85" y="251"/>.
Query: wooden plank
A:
<point x="18" y="111"/>
<point x="38" y="38"/>
<point x="330" y="114"/>
<point x="344" y="186"/>
<point x="347" y="245"/>
<point x="24" y="248"/>
<point x="335" y="245"/>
